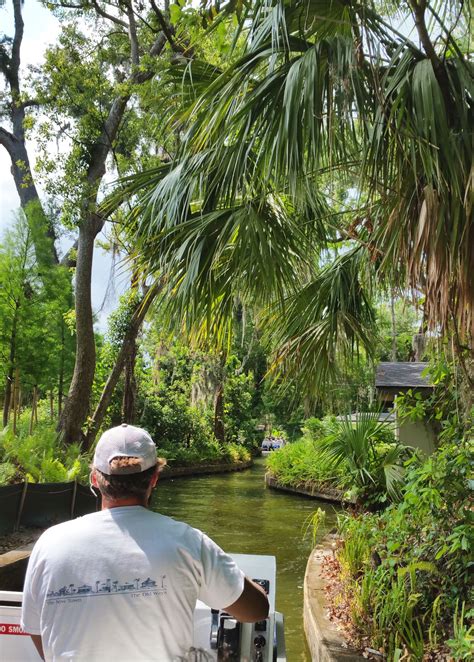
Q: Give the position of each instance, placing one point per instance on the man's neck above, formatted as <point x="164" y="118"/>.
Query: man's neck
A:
<point x="120" y="503"/>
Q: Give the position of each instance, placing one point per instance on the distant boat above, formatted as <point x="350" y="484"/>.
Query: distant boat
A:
<point x="270" y="444"/>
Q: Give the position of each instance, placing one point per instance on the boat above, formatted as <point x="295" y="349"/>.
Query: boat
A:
<point x="270" y="444"/>
<point x="217" y="635"/>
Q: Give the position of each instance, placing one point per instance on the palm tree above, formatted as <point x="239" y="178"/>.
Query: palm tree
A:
<point x="375" y="469"/>
<point x="321" y="95"/>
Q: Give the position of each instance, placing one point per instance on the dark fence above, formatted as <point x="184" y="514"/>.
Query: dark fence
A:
<point x="43" y="504"/>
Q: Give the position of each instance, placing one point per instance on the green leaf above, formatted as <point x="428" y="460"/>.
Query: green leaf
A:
<point x="175" y="13"/>
<point x="441" y="552"/>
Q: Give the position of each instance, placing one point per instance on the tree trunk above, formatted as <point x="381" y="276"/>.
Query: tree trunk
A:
<point x="127" y="344"/>
<point x="16" y="389"/>
<point x="394" y="327"/>
<point x="61" y="369"/>
<point x="130" y="386"/>
<point x="219" y="429"/>
<point x="33" y="409"/>
<point x="11" y="366"/>
<point x="77" y="403"/>
<point x="20" y="393"/>
<point x="8" y="396"/>
<point x="14" y="143"/>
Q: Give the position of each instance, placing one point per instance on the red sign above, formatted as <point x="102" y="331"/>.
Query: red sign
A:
<point x="11" y="628"/>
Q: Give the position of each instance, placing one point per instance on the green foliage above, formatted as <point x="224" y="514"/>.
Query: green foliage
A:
<point x="313" y="524"/>
<point x="40" y="457"/>
<point x="315" y="428"/>
<point x="238" y="404"/>
<point x="371" y="459"/>
<point x="208" y="453"/>
<point x="172" y="422"/>
<point x="361" y="457"/>
<point x="407" y="324"/>
<point x="119" y="321"/>
<point x="7" y="473"/>
<point x="246" y="208"/>
<point x="407" y="570"/>
<point x="412" y="406"/>
<point x="303" y="463"/>
<point x="34" y="297"/>
<point x="461" y="645"/>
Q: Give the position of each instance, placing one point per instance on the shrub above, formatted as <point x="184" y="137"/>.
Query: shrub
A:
<point x="302" y="462"/>
<point x="316" y="428"/>
<point x="172" y="422"/>
<point x="40" y="457"/>
<point x="406" y="570"/>
<point x="369" y="456"/>
<point x="361" y="457"/>
<point x="7" y="473"/>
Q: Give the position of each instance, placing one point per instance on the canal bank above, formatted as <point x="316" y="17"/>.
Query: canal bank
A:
<point x="170" y="471"/>
<point x="323" y="637"/>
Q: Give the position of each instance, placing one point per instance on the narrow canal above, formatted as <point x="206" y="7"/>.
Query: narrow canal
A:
<point x="244" y="517"/>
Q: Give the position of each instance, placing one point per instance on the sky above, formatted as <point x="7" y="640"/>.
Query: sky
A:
<point x="42" y="29"/>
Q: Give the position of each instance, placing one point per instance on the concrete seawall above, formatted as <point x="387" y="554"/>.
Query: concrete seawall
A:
<point x="333" y="496"/>
<point x="324" y="640"/>
<point x="199" y="470"/>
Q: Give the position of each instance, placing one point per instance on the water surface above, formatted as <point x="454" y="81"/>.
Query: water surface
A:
<point x="244" y="517"/>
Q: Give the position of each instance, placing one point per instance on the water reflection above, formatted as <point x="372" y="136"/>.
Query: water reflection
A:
<point x="244" y="517"/>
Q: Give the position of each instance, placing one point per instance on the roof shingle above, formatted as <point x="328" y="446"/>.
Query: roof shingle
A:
<point x="403" y="374"/>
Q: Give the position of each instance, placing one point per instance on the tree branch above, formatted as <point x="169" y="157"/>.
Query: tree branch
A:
<point x="67" y="5"/>
<point x="110" y="17"/>
<point x="29" y="103"/>
<point x="167" y="29"/>
<point x="132" y="33"/>
<point x="70" y="258"/>
<point x="7" y="139"/>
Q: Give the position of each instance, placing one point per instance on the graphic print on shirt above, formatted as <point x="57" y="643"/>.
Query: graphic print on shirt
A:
<point x="148" y="587"/>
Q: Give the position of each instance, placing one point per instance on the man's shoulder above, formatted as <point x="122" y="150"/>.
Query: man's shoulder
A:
<point x="177" y="526"/>
<point x="67" y="528"/>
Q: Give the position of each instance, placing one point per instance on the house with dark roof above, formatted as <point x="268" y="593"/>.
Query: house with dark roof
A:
<point x="394" y="378"/>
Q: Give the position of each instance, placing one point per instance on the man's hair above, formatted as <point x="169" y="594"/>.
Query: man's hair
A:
<point x="123" y="486"/>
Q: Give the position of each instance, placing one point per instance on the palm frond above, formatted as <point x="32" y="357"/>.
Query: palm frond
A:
<point x="324" y="323"/>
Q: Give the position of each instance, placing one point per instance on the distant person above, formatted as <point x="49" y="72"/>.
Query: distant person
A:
<point x="121" y="584"/>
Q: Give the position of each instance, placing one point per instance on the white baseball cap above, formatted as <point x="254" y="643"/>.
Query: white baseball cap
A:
<point x="125" y="441"/>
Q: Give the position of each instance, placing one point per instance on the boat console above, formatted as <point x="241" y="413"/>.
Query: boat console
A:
<point x="217" y="635"/>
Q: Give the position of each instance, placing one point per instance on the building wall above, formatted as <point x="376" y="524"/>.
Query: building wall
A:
<point x="418" y="434"/>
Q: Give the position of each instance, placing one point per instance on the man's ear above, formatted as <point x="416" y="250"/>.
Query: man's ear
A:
<point x="154" y="478"/>
<point x="94" y="482"/>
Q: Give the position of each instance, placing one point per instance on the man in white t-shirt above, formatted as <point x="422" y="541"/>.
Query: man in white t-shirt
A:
<point x="121" y="584"/>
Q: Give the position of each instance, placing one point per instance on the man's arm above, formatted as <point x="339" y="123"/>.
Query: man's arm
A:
<point x="38" y="644"/>
<point x="252" y="605"/>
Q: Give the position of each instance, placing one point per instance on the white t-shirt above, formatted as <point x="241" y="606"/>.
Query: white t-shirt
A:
<point x="121" y="585"/>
